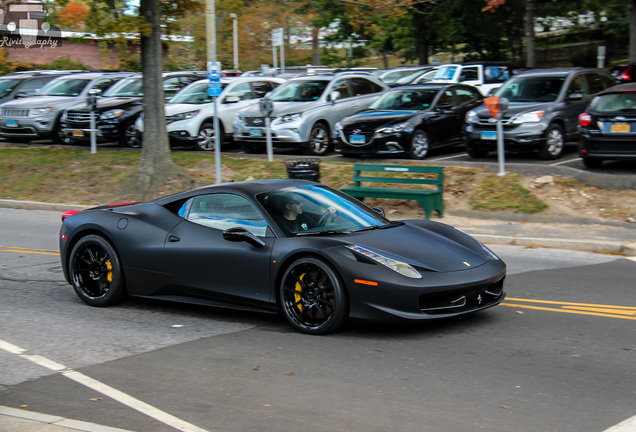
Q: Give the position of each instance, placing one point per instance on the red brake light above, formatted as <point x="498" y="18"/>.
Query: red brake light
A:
<point x="585" y="119"/>
<point x="68" y="213"/>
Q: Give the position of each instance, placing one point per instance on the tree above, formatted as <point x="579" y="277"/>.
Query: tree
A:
<point x="72" y="16"/>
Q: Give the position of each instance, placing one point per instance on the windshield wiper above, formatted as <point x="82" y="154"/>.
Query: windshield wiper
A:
<point x="374" y="227"/>
<point x="321" y="233"/>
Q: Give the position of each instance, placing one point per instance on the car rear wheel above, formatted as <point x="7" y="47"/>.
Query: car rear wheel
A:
<point x="206" y="138"/>
<point x="419" y="145"/>
<point x="312" y="297"/>
<point x="95" y="272"/>
<point x="554" y="143"/>
<point x="319" y="140"/>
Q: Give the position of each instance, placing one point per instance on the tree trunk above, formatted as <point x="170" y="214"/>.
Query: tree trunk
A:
<point x="632" y="31"/>
<point x="315" y="46"/>
<point x="156" y="168"/>
<point x="531" y="40"/>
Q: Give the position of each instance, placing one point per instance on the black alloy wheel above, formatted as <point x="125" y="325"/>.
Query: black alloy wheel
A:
<point x="319" y="140"/>
<point x="312" y="297"/>
<point x="131" y="136"/>
<point x="96" y="272"/>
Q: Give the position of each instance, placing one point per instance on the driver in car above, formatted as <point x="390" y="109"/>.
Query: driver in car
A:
<point x="294" y="220"/>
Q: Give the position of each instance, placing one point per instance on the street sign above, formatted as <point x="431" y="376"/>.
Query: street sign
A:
<point x="214" y="75"/>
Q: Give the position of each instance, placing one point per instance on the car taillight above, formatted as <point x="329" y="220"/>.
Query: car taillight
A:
<point x="585" y="119"/>
<point x="68" y="213"/>
<point x="625" y="76"/>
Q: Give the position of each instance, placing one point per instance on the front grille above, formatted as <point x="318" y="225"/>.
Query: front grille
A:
<point x="345" y="135"/>
<point x="79" y="116"/>
<point x="476" y="297"/>
<point x="255" y="121"/>
<point x="14" y="112"/>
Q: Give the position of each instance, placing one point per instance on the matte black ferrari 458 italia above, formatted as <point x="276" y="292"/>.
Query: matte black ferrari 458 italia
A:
<point x="295" y="246"/>
<point x="410" y="119"/>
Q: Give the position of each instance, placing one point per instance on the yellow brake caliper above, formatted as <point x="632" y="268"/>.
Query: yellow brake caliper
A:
<point x="109" y="273"/>
<point x="297" y="297"/>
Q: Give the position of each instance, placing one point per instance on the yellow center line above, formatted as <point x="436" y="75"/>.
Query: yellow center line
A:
<point x="608" y="311"/>
<point x="16" y="249"/>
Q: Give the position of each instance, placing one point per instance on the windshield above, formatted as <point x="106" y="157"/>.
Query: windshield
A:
<point x="445" y="73"/>
<point x="407" y="79"/>
<point x="624" y="102"/>
<point x="319" y="209"/>
<point x="195" y="93"/>
<point x="129" y="87"/>
<point x="531" y="89"/>
<point x="6" y="86"/>
<point x="64" y="87"/>
<point x="299" y="91"/>
<point x="411" y="99"/>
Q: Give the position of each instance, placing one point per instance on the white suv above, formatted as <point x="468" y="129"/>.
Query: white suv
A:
<point x="190" y="113"/>
<point x="305" y="110"/>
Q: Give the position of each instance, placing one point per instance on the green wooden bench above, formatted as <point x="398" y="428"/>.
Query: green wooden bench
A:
<point x="432" y="177"/>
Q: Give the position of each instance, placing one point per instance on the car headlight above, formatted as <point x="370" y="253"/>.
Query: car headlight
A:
<point x="472" y="117"/>
<point x="529" y="117"/>
<point x="290" y="117"/>
<point x="182" y="116"/>
<point x="402" y="127"/>
<point x="111" y="114"/>
<point x="41" y="111"/>
<point x="395" y="265"/>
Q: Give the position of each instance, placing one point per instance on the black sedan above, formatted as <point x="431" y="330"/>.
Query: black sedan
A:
<point x="410" y="119"/>
<point x="295" y="246"/>
<point x="607" y="128"/>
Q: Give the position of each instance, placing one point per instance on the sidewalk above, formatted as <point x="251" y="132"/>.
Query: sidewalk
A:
<point x="496" y="228"/>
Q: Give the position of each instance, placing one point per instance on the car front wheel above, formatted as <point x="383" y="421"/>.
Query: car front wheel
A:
<point x="419" y="145"/>
<point x="554" y="143"/>
<point x="312" y="297"/>
<point x="131" y="136"/>
<point x="319" y="141"/>
<point x="206" y="138"/>
<point x="96" y="272"/>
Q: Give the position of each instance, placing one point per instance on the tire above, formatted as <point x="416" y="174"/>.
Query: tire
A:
<point x="592" y="163"/>
<point x="554" y="143"/>
<point x="96" y="272"/>
<point x="131" y="137"/>
<point x="206" y="137"/>
<point x="319" y="140"/>
<point x="419" y="145"/>
<point x="476" y="152"/>
<point x="312" y="297"/>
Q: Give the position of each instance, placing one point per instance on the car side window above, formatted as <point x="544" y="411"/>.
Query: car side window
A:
<point x="465" y="96"/>
<point x="243" y="91"/>
<point x="596" y="83"/>
<point x="30" y="86"/>
<point x="469" y="74"/>
<point x="104" y="84"/>
<point x="577" y="85"/>
<point x="342" y="87"/>
<point x="222" y="211"/>
<point x="446" y="100"/>
<point x="261" y="88"/>
<point x="171" y="86"/>
<point x="363" y="86"/>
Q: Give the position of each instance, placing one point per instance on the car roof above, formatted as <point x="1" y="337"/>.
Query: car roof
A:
<point x="619" y="88"/>
<point x="558" y="71"/>
<point x="93" y="75"/>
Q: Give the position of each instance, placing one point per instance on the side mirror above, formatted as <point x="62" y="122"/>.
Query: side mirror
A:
<point x="334" y="95"/>
<point x="21" y="94"/>
<point x="379" y="211"/>
<point x="239" y="234"/>
<point x="232" y="99"/>
<point x="575" y="96"/>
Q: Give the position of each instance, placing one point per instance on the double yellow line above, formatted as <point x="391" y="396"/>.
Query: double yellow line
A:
<point x="608" y="311"/>
<point x="29" y="250"/>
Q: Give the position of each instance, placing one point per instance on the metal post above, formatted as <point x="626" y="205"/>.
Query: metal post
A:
<point x="235" y="39"/>
<point x="217" y="138"/>
<point x="500" y="145"/>
<point x="268" y="136"/>
<point x="282" y="51"/>
<point x="93" y="132"/>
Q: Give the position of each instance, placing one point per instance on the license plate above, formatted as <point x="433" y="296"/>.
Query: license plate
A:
<point x="620" y="127"/>
<point x="256" y="133"/>
<point x="12" y="123"/>
<point x="356" y="139"/>
<point x="78" y="133"/>
<point x="489" y="135"/>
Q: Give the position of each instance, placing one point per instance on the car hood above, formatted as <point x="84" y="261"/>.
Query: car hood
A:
<point x="433" y="246"/>
<point x="281" y="108"/>
<point x="515" y="108"/>
<point x="42" y="101"/>
<point x="177" y="108"/>
<point x="372" y="119"/>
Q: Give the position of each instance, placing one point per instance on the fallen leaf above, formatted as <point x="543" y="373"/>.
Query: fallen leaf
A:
<point x="576" y="355"/>
<point x="96" y="399"/>
<point x="279" y="347"/>
<point x="504" y="407"/>
<point x="266" y="405"/>
<point x="23" y="406"/>
<point x="289" y="373"/>
<point x="256" y="368"/>
<point x="520" y="312"/>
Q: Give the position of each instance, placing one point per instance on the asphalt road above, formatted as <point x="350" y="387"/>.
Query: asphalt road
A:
<point x="557" y="355"/>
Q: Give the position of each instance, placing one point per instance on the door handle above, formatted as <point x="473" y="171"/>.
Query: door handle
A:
<point x="173" y="238"/>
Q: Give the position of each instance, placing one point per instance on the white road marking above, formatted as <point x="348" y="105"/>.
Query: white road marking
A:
<point x="57" y="421"/>
<point x="104" y="389"/>
<point x="564" y="162"/>
<point x="628" y="425"/>
<point x="457" y="156"/>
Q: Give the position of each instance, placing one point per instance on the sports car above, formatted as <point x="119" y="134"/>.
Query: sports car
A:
<point x="295" y="247"/>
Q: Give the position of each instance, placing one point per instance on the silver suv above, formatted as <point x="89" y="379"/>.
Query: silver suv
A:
<point x="305" y="110"/>
<point x="38" y="117"/>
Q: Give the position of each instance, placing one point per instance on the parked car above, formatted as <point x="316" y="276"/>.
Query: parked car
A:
<point x="305" y="110"/>
<point x="118" y="109"/>
<point x="22" y="84"/>
<point x="485" y="76"/>
<point x="624" y="74"/>
<point x="422" y="76"/>
<point x="410" y="119"/>
<point x="229" y="245"/>
<point x="190" y="113"/>
<point x="38" y="117"/>
<point x="607" y="128"/>
<point x="390" y="76"/>
<point x="542" y="114"/>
